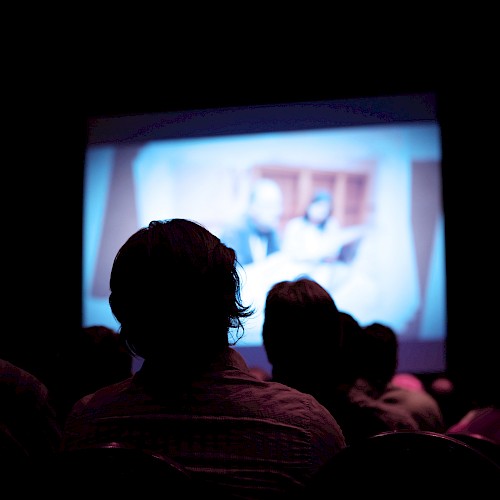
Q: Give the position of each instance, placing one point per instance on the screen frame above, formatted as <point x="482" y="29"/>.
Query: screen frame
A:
<point x="247" y="119"/>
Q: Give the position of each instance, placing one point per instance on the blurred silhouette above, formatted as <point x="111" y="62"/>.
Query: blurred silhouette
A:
<point x="318" y="244"/>
<point x="29" y="430"/>
<point x="479" y="387"/>
<point x="408" y="381"/>
<point x="317" y="235"/>
<point x="27" y="414"/>
<point x="92" y="358"/>
<point x="376" y="358"/>
<point x="452" y="401"/>
<point x="256" y="234"/>
<point x="303" y="336"/>
<point x="175" y="291"/>
<point x="482" y="422"/>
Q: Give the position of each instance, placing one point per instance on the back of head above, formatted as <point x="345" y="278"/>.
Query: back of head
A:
<point x="351" y="337"/>
<point x="93" y="357"/>
<point x="301" y="332"/>
<point x="175" y="291"/>
<point x="378" y="354"/>
<point x="99" y="358"/>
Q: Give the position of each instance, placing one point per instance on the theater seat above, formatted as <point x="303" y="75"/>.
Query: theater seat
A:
<point x="396" y="464"/>
<point x="119" y="470"/>
<point x="485" y="445"/>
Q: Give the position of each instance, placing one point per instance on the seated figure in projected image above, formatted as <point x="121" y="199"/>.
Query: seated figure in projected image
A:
<point x="314" y="245"/>
<point x="175" y="291"/>
<point x="314" y="242"/>
<point x="255" y="235"/>
<point x="370" y="269"/>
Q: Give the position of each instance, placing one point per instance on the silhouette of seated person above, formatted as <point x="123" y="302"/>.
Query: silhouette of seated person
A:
<point x="303" y="337"/>
<point x="93" y="357"/>
<point x="175" y="291"/>
<point x="453" y="402"/>
<point x="27" y="413"/>
<point x="480" y="386"/>
<point x="376" y="358"/>
<point x="29" y="430"/>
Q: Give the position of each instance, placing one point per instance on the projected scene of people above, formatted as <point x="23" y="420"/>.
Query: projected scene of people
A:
<point x="357" y="209"/>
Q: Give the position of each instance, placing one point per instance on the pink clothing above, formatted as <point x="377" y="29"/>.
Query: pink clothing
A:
<point x="257" y="437"/>
<point x="483" y="422"/>
<point x="407" y="381"/>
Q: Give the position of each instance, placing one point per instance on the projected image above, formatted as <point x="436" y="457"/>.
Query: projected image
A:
<point x="358" y="209"/>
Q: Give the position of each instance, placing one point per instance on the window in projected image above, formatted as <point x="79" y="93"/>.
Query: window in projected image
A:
<point x="381" y="255"/>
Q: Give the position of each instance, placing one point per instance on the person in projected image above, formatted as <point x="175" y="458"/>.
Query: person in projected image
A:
<point x="175" y="290"/>
<point x="317" y="243"/>
<point x="255" y="235"/>
<point x="313" y="244"/>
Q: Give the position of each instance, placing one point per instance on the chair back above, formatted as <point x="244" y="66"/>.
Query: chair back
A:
<point x="396" y="463"/>
<point x="481" y="443"/>
<point x="119" y="470"/>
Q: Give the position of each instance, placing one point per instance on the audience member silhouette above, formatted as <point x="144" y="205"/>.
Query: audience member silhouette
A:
<point x="377" y="362"/>
<point x="477" y="384"/>
<point x="482" y="417"/>
<point x="94" y="357"/>
<point x="303" y="337"/>
<point x="175" y="291"/>
<point x="28" y="421"/>
<point x="453" y="402"/>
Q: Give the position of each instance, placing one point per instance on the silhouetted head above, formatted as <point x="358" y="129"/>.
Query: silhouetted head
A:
<point x="301" y="332"/>
<point x="351" y="337"/>
<point x="91" y="358"/>
<point x="378" y="354"/>
<point x="175" y="291"/>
